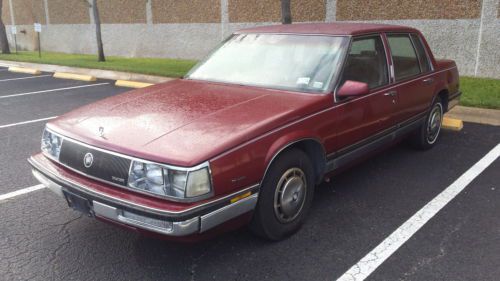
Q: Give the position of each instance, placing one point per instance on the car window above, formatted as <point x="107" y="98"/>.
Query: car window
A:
<point x="305" y="63"/>
<point x="366" y="62"/>
<point x="422" y="55"/>
<point x="405" y="59"/>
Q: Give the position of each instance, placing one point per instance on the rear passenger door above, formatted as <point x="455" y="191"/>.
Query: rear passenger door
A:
<point x="411" y="70"/>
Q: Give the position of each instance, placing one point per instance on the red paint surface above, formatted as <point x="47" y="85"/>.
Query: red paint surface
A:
<point x="239" y="129"/>
<point x="329" y="28"/>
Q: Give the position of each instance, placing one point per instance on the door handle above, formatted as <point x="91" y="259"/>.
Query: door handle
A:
<point x="391" y="94"/>
<point x="428" y="81"/>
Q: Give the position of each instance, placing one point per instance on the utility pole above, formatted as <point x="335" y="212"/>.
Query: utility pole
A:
<point x="4" y="43"/>
<point x="286" y="12"/>
<point x="97" y="20"/>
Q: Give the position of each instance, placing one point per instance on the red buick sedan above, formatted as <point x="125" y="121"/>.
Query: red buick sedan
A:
<point x="246" y="135"/>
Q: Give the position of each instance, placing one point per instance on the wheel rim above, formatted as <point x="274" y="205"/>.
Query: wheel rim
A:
<point x="290" y="195"/>
<point x="434" y="123"/>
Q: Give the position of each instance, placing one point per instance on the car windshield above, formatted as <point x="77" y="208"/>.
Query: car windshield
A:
<point x="292" y="62"/>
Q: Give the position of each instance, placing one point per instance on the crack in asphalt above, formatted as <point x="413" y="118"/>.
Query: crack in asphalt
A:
<point x="67" y="237"/>
<point x="426" y="261"/>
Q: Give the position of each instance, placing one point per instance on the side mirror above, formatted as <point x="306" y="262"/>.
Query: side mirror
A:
<point x="353" y="89"/>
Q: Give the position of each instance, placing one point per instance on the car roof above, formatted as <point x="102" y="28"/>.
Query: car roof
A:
<point x="328" y="28"/>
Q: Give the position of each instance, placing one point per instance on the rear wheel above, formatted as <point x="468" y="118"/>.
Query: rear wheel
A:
<point x="285" y="196"/>
<point x="427" y="135"/>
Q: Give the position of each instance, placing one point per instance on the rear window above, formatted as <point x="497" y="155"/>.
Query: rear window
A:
<point x="406" y="63"/>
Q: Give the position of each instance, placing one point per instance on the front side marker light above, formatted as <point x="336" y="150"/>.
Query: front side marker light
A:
<point x="198" y="183"/>
<point x="239" y="197"/>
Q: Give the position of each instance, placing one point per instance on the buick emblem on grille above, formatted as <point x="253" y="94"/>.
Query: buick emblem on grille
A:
<point x="88" y="159"/>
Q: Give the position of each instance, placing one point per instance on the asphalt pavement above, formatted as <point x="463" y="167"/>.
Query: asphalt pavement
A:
<point x="42" y="239"/>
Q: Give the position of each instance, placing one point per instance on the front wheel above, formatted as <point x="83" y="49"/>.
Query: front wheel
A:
<point x="427" y="135"/>
<point x="285" y="196"/>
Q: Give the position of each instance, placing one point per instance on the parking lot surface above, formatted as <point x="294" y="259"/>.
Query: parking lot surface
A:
<point x="42" y="239"/>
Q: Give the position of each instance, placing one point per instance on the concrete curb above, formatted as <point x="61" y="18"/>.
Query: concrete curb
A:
<point x="80" y="77"/>
<point x="26" y="70"/>
<point x="475" y="115"/>
<point x="102" y="74"/>
<point x="132" y="84"/>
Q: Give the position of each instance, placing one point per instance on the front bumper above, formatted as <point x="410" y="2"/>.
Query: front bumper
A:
<point x="191" y="220"/>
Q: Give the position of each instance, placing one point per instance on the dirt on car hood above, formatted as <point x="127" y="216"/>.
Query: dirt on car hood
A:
<point x="184" y="122"/>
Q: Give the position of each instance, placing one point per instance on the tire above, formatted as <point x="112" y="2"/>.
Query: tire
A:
<point x="428" y="134"/>
<point x="285" y="196"/>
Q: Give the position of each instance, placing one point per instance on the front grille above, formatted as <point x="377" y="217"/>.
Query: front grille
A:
<point x="105" y="166"/>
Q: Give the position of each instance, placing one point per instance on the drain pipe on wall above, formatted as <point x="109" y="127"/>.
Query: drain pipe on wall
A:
<point x="479" y="37"/>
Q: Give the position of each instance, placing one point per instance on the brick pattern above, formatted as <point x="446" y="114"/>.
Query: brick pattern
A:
<point x="407" y="9"/>
<point x="122" y="11"/>
<point x="5" y="12"/>
<point x="270" y="10"/>
<point x="28" y="11"/>
<point x="68" y="12"/>
<point x="186" y="11"/>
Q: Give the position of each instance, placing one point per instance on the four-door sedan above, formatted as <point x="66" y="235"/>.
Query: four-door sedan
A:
<point x="246" y="135"/>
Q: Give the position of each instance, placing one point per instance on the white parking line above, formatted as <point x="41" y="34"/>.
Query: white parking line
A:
<point x="22" y="78"/>
<point x="21" y="191"/>
<point x="384" y="250"/>
<point x="26" y="122"/>
<point x="52" y="90"/>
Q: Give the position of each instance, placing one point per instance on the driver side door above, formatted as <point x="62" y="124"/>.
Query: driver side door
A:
<point x="362" y="120"/>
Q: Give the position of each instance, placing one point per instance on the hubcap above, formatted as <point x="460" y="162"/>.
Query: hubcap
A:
<point x="434" y="123"/>
<point x="290" y="195"/>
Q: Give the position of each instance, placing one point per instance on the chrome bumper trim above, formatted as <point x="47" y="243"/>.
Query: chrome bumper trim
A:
<point x="57" y="189"/>
<point x="193" y="225"/>
<point x="54" y="177"/>
<point x="226" y="213"/>
<point x="181" y="228"/>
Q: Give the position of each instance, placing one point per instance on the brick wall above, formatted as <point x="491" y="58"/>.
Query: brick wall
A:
<point x="186" y="11"/>
<point x="270" y="10"/>
<point x="28" y="11"/>
<point x="68" y="12"/>
<point x="6" y="12"/>
<point x="407" y="9"/>
<point x="122" y="11"/>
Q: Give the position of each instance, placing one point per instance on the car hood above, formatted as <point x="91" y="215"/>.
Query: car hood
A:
<point x="184" y="122"/>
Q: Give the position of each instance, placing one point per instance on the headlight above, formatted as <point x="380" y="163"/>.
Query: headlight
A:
<point x="169" y="182"/>
<point x="51" y="144"/>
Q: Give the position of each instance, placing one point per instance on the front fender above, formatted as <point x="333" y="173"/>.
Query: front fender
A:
<point x="288" y="140"/>
<point x="248" y="164"/>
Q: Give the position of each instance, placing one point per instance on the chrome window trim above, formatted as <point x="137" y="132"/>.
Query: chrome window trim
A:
<point x="346" y="56"/>
<point x="427" y="58"/>
<point x="170" y="167"/>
